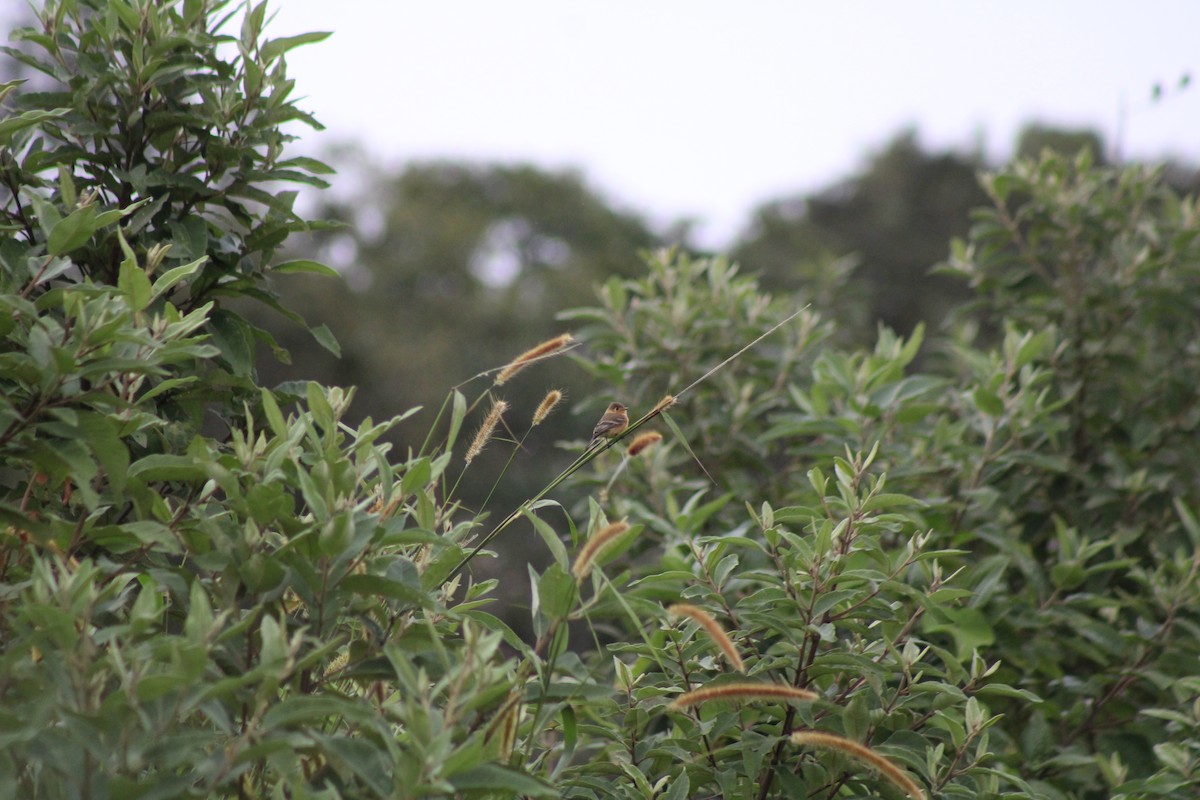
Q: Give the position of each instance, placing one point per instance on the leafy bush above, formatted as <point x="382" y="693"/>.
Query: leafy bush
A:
<point x="912" y="510"/>
<point x="832" y="576"/>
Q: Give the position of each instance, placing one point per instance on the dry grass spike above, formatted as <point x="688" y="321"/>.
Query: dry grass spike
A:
<point x="741" y="691"/>
<point x="643" y="441"/>
<point x="486" y="430"/>
<point x="884" y="766"/>
<point x="587" y="556"/>
<point x="713" y="629"/>
<point x="664" y="404"/>
<point x="546" y="348"/>
<point x="548" y="404"/>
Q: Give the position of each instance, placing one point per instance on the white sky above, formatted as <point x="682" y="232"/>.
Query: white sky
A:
<point x="704" y="108"/>
<point x="699" y="108"/>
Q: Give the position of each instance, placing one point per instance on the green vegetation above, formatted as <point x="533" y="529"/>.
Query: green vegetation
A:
<point x="841" y="572"/>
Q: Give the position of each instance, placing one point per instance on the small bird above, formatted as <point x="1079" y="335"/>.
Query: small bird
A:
<point x="612" y="424"/>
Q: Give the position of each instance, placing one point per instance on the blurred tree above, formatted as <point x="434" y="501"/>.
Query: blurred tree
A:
<point x="894" y="217"/>
<point x="864" y="248"/>
<point x="1035" y="138"/>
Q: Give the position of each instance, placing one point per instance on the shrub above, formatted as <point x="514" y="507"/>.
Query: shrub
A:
<point x="974" y="582"/>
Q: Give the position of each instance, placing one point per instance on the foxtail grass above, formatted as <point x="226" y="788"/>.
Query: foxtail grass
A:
<point x="865" y="755"/>
<point x="740" y="691"/>
<point x="486" y="430"/>
<point x="548" y="404"/>
<point x="642" y="442"/>
<point x="548" y="348"/>
<point x="713" y="629"/>
<point x="594" y="546"/>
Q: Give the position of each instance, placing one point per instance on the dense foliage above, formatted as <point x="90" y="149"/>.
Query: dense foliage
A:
<point x="834" y="575"/>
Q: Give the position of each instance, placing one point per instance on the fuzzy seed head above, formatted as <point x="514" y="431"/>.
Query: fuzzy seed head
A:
<point x="884" y="766"/>
<point x="664" y="404"/>
<point x="587" y="556"/>
<point x="486" y="430"/>
<point x="713" y="629"/>
<point x="741" y="691"/>
<point x="552" y="399"/>
<point x="544" y="350"/>
<point x="643" y="441"/>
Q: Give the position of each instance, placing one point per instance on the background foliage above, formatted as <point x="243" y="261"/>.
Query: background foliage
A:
<point x="979" y="551"/>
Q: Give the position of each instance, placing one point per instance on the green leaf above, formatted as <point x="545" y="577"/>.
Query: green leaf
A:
<point x="272" y="640"/>
<point x="166" y="386"/>
<point x="189" y="237"/>
<point x="128" y="16"/>
<point x="304" y="265"/>
<point x="495" y="625"/>
<point x="886" y="500"/>
<point x="1004" y="690"/>
<point x="72" y="231"/>
<point x="66" y="186"/>
<point x="416" y="476"/>
<point x="273" y="414"/>
<point x="969" y="627"/>
<point x="164" y="467"/>
<point x="126" y="250"/>
<point x="277" y="47"/>
<point x="856" y="717"/>
<point x="68" y="459"/>
<point x="502" y="780"/>
<point x="550" y="537"/>
<point x="151" y="532"/>
<point x="269" y="502"/>
<point x="1068" y="575"/>
<point x="988" y="402"/>
<point x="1031" y="347"/>
<point x="173" y="276"/>
<point x="11" y="124"/>
<point x="1188" y="519"/>
<point x="235" y="339"/>
<point x="326" y="339"/>
<point x="386" y="587"/>
<point x="364" y="758"/>
<point x="441" y="565"/>
<point x="557" y="592"/>
<point x="106" y="445"/>
<point x="570" y="729"/>
<point x="8" y="87"/>
<point x="1175" y="757"/>
<point x="133" y="282"/>
<point x="310" y="164"/>
<point x="457" y="414"/>
<point x="300" y="709"/>
<point x="318" y="406"/>
<point x="679" y="788"/>
<point x="200" y="618"/>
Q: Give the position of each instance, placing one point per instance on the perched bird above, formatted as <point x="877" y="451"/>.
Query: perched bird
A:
<point x="612" y="424"/>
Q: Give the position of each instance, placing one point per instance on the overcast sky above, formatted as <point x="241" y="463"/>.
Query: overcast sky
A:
<point x="697" y="108"/>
